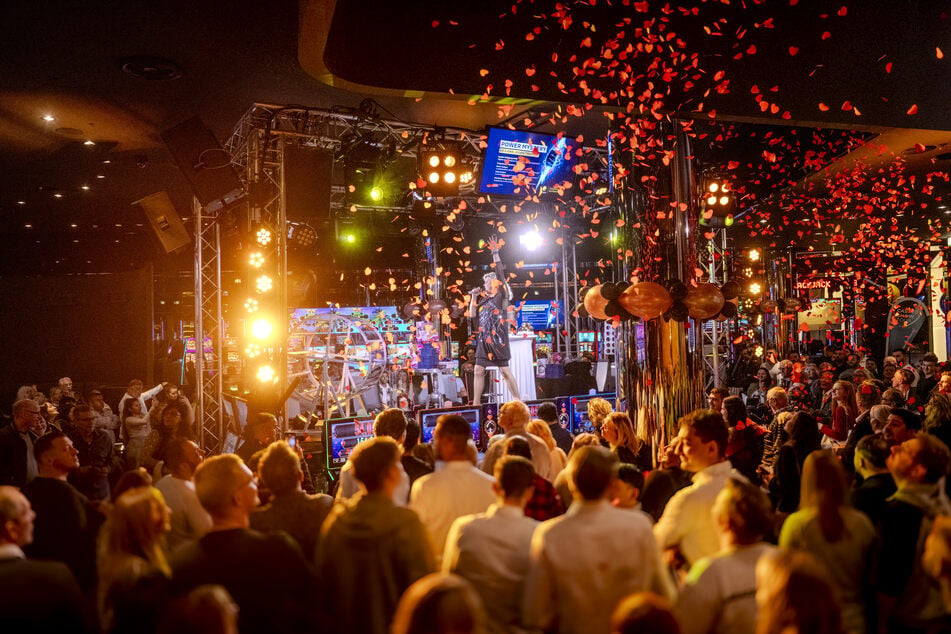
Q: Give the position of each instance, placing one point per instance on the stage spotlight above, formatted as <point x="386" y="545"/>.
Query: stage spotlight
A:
<point x="252" y="350"/>
<point x="348" y="237"/>
<point x="718" y="203"/>
<point x="264" y="236"/>
<point x="531" y="240"/>
<point x="301" y="235"/>
<point x="376" y="193"/>
<point x="466" y="177"/>
<point x="256" y="260"/>
<point x="266" y="374"/>
<point x="450" y="178"/>
<point x="713" y="187"/>
<point x="251" y="305"/>
<point x="755" y="288"/>
<point x="264" y="283"/>
<point x="441" y="164"/>
<point x="262" y="329"/>
<point x="433" y="178"/>
<point x="754" y="255"/>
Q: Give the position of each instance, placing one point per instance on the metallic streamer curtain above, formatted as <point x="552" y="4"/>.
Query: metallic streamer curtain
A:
<point x="660" y="376"/>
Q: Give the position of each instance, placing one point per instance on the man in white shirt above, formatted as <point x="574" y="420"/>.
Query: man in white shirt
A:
<point x="455" y="489"/>
<point x="102" y="414"/>
<point x="513" y="419"/>
<point x="135" y="391"/>
<point x="686" y="528"/>
<point x="491" y="549"/>
<point x="584" y="562"/>
<point x="189" y="520"/>
<point x="391" y="423"/>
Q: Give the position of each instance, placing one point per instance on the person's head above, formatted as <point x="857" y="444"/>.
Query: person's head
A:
<point x="628" y="486"/>
<point x="893" y="398"/>
<point x="825" y="488"/>
<point x="644" y="612"/>
<point x="716" y="396"/>
<point x="451" y="437"/>
<point x="810" y="372"/>
<point x="25" y="413"/>
<point x="844" y="394"/>
<point x="279" y="470"/>
<point x="514" y="478"/>
<point x="411" y="439"/>
<point x="703" y="437"/>
<point x="852" y="360"/>
<point x="548" y="412"/>
<point x="517" y="446"/>
<point x="902" y="379"/>
<point x="794" y="357"/>
<point x="870" y="455"/>
<point x="66" y="385"/>
<point x="437" y="604"/>
<point x="138" y="522"/>
<point x="900" y="357"/>
<point x="583" y="440"/>
<point x="490" y="282"/>
<point x="173" y="421"/>
<point x="183" y="457"/>
<point x="95" y="400"/>
<point x="131" y="407"/>
<point x="591" y="470"/>
<point x="867" y="395"/>
<point x="944" y="383"/>
<point x="171" y="392"/>
<point x="937" y="411"/>
<point x="860" y="376"/>
<point x="871" y="366"/>
<point x="922" y="459"/>
<point x="777" y="398"/>
<point x="83" y="419"/>
<point x="540" y="428"/>
<point x="733" y="410"/>
<point x="618" y="430"/>
<point x="226" y="488"/>
<point x="376" y="464"/>
<point x="135" y="388"/>
<point x="55" y="393"/>
<point x="803" y="430"/>
<point x="901" y="425"/>
<point x="514" y="415"/>
<point x="826" y="380"/>
<point x="55" y="455"/>
<point x="878" y="416"/>
<point x="929" y="363"/>
<point x="762" y="375"/>
<point x="207" y="609"/>
<point x="262" y="428"/>
<point x="888" y="373"/>
<point x="390" y="422"/>
<point x="598" y="410"/>
<point x="135" y="479"/>
<point x="16" y="517"/>
<point x="743" y="513"/>
<point x="794" y="594"/>
<point x="936" y="558"/>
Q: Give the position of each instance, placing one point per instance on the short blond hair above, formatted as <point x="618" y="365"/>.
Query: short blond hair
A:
<point x="598" y="410"/>
<point x="540" y="428"/>
<point x="217" y="480"/>
<point x="515" y="414"/>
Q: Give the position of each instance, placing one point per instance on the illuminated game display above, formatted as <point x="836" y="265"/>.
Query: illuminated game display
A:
<point x="518" y="162"/>
<point x="427" y="421"/>
<point x="341" y="435"/>
<point x="490" y="414"/>
<point x="578" y="416"/>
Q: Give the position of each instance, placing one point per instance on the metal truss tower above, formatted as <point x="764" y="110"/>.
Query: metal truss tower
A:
<point x="209" y="324"/>
<point x="715" y="335"/>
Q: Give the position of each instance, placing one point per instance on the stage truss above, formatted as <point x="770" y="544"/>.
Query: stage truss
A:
<point x="715" y="335"/>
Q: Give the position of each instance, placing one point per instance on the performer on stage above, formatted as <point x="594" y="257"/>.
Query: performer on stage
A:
<point x="488" y="311"/>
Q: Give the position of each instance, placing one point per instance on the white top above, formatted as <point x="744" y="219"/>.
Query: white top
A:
<point x="541" y="456"/>
<point x="105" y="419"/>
<point x="455" y="489"/>
<point x="720" y="592"/>
<point x="687" y="521"/>
<point x="142" y="398"/>
<point x="491" y="550"/>
<point x="584" y="562"/>
<point x="190" y="520"/>
<point x="349" y="486"/>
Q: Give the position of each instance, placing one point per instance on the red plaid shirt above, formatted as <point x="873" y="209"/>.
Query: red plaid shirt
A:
<point x="545" y="502"/>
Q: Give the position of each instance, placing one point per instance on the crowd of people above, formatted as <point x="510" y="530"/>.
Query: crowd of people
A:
<point x="813" y="502"/>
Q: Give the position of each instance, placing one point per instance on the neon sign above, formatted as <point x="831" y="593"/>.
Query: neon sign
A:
<point x="813" y="284"/>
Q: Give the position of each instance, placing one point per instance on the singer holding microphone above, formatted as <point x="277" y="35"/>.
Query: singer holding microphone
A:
<point x="488" y="311"/>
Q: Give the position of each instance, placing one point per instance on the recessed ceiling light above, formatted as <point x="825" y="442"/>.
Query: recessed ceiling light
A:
<point x="57" y="195"/>
<point x="74" y="225"/>
<point x="21" y="202"/>
<point x="118" y="224"/>
<point x="89" y="142"/>
<point x="100" y="175"/>
<point x="49" y="118"/>
<point x="85" y="188"/>
<point x="27" y="226"/>
<point x="106" y="161"/>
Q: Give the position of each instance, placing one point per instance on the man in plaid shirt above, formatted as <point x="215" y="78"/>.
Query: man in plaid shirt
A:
<point x="545" y="502"/>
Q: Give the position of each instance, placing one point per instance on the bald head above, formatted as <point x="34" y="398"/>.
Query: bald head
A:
<point x="16" y="517"/>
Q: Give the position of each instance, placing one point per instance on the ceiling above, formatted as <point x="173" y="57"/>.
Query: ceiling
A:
<point x="72" y="61"/>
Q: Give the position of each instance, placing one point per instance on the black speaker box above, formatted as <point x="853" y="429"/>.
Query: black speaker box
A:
<point x="165" y="221"/>
<point x="204" y="163"/>
<point x="308" y="174"/>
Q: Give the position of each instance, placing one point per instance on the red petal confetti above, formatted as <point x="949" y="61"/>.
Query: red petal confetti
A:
<point x="913" y="109"/>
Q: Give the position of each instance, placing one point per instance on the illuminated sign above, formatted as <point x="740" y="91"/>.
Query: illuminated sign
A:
<point x="806" y="285"/>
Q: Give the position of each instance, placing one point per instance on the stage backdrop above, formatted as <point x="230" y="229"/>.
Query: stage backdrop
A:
<point x="96" y="329"/>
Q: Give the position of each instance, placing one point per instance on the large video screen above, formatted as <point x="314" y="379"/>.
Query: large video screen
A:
<point x="341" y="435"/>
<point x="520" y="162"/>
<point x="539" y="314"/>
<point x="579" y="421"/>
<point x="427" y="421"/>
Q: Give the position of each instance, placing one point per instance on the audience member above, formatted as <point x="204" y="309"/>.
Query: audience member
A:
<point x="903" y="424"/>
<point x="131" y="480"/>
<point x="135" y="429"/>
<point x="716" y="397"/>
<point x="260" y="432"/>
<point x="456" y="489"/>
<point x="843" y="414"/>
<point x="168" y="396"/>
<point x="936" y="560"/>
<point x="618" y="430"/>
<point x="545" y="502"/>
<point x="719" y="594"/>
<point x="559" y="459"/>
<point x="135" y="393"/>
<point x="928" y="380"/>
<point x="189" y="520"/>
<point x="687" y="528"/>
<point x="745" y="448"/>
<point x="370" y="550"/>
<point x="96" y="447"/>
<point x="172" y="425"/>
<point x="880" y="414"/>
<point x="413" y="466"/>
<point x="840" y="537"/>
<point x="289" y="509"/>
<point x="103" y="416"/>
<point x="598" y="410"/>
<point x="549" y="414"/>
<point x="775" y="435"/>
<point x="207" y="609"/>
<point x="562" y="481"/>
<point x="17" y="462"/>
<point x="663" y="482"/>
<point x="867" y="396"/>
<point x="804" y="438"/>
<point x="794" y="595"/>
<point x="390" y="423"/>
<point x="491" y="550"/>
<point x="877" y="484"/>
<point x="513" y="419"/>
<point x="35" y="596"/>
<point x="266" y="574"/>
<point x="628" y="487"/>
<point x="440" y="604"/>
<point x="644" y="613"/>
<point x="892" y="398"/>
<point x="574" y="589"/>
<point x="937" y="421"/>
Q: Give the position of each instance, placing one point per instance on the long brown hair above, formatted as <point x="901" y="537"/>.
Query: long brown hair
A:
<point x="795" y="594"/>
<point x="848" y="402"/>
<point x="824" y="488"/>
<point x="626" y="436"/>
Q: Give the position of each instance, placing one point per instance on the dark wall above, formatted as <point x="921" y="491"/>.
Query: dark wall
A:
<point x="96" y="329"/>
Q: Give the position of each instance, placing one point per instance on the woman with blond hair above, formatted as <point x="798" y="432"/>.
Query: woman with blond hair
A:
<point x="844" y="412"/>
<point x="598" y="410"/>
<point x="840" y="536"/>
<point x="618" y="430"/>
<point x="794" y="595"/>
<point x="558" y="458"/>
<point x="133" y="568"/>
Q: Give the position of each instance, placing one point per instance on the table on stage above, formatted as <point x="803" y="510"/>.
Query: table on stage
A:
<point x="522" y="365"/>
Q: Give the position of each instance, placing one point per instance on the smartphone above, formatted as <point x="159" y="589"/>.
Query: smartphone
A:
<point x="292" y="441"/>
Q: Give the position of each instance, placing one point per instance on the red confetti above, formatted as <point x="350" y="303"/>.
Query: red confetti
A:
<point x="793" y="50"/>
<point x="913" y="109"/>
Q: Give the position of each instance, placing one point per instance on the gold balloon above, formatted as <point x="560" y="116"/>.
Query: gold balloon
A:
<point x="704" y="301"/>
<point x="646" y="300"/>
<point x="594" y="303"/>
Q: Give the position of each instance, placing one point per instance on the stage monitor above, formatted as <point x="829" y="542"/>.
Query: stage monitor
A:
<point x="473" y="414"/>
<point x="341" y="435"/>
<point x="539" y="314"/>
<point x="521" y="162"/>
<point x="578" y="412"/>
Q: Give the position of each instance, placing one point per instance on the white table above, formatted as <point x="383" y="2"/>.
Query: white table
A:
<point x="522" y="365"/>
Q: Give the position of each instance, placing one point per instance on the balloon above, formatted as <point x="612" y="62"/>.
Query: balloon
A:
<point x="731" y="290"/>
<point x="610" y="291"/>
<point x="595" y="303"/>
<point x="411" y="310"/>
<point x="729" y="309"/>
<point x="704" y="301"/>
<point x="456" y="312"/>
<point x="677" y="312"/>
<point x="768" y="305"/>
<point x="622" y="286"/>
<point x="435" y="306"/>
<point x="793" y="304"/>
<point x="582" y="311"/>
<point x="676" y="288"/>
<point x="613" y="308"/>
<point x="646" y="300"/>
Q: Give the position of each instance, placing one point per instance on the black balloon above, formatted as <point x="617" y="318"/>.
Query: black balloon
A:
<point x="610" y="291"/>
<point x="729" y="310"/>
<point x="584" y="291"/>
<point x="731" y="290"/>
<point x="676" y="288"/>
<point x="622" y="286"/>
<point x="613" y="308"/>
<point x="582" y="311"/>
<point x="678" y="312"/>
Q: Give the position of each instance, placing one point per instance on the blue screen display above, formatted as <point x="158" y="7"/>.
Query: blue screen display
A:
<point x="427" y="421"/>
<point x="540" y="314"/>
<point x="521" y="163"/>
<point x="343" y="434"/>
